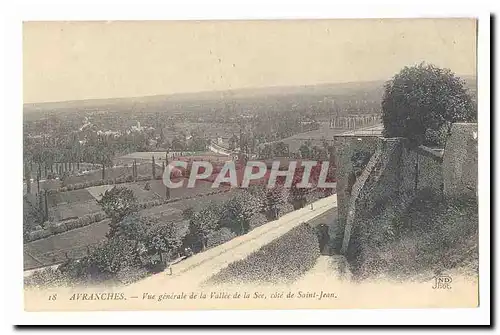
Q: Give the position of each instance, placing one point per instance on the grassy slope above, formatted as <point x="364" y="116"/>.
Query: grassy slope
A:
<point x="435" y="236"/>
<point x="284" y="259"/>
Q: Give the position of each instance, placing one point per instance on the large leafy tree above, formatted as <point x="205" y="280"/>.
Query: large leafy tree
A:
<point x="109" y="257"/>
<point x="118" y="203"/>
<point x="202" y="224"/>
<point x="162" y="239"/>
<point x="275" y="201"/>
<point x="135" y="228"/>
<point x="423" y="100"/>
<point x="237" y="213"/>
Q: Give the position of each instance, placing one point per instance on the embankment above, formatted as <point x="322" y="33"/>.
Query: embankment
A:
<point x="281" y="261"/>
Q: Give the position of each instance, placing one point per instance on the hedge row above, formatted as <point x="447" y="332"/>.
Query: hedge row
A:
<point x="120" y="180"/>
<point x="159" y="202"/>
<point x="54" y="228"/>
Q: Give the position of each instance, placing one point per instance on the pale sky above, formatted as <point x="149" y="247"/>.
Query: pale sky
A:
<point x="91" y="60"/>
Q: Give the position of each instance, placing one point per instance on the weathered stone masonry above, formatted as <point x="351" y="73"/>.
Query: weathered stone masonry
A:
<point x="396" y="172"/>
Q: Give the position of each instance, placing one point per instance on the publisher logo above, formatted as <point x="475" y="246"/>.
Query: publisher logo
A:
<point x="442" y="282"/>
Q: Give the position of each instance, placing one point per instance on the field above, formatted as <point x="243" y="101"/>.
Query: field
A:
<point x="52" y="250"/>
<point x="71" y="204"/>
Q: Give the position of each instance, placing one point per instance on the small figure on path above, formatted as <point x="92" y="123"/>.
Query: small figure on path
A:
<point x="188" y="252"/>
<point x="312" y="208"/>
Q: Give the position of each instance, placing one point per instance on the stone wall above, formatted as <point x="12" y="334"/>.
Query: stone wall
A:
<point x="390" y="182"/>
<point x="430" y="169"/>
<point x="387" y="191"/>
<point x="399" y="171"/>
<point x="345" y="148"/>
<point x="460" y="173"/>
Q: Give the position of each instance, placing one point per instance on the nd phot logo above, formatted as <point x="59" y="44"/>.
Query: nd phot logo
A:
<point x="442" y="282"/>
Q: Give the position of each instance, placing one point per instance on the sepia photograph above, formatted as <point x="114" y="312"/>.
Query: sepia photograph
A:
<point x="250" y="164"/>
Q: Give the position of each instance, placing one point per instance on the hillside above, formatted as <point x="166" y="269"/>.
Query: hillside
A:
<point x="434" y="236"/>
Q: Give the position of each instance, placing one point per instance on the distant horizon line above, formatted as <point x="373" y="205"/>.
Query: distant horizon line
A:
<point x="214" y="91"/>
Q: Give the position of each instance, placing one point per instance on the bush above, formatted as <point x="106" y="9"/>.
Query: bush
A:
<point x="436" y="137"/>
<point x="424" y="97"/>
<point x="258" y="220"/>
<point x="38" y="234"/>
<point x="121" y="180"/>
<point x="219" y="237"/>
<point x="47" y="277"/>
<point x="275" y="202"/>
<point x="87" y="219"/>
<point x="99" y="216"/>
<point x="57" y="227"/>
<point x="74" y="224"/>
<point x="110" y="257"/>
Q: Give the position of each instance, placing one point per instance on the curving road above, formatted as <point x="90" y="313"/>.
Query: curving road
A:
<point x="192" y="272"/>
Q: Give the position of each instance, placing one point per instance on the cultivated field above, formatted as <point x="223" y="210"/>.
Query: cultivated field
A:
<point x="51" y="250"/>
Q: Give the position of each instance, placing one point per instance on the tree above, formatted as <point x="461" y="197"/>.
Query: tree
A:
<point x="118" y="203"/>
<point x="198" y="143"/>
<point x="103" y="154"/>
<point x="202" y="224"/>
<point x="162" y="239"/>
<point x="135" y="228"/>
<point x="238" y="212"/>
<point x="281" y="150"/>
<point x="110" y="257"/>
<point x="149" y="237"/>
<point x="267" y="151"/>
<point x="305" y="150"/>
<point x="232" y="142"/>
<point x="27" y="177"/>
<point x="178" y="143"/>
<point x="275" y="200"/>
<point x="153" y="167"/>
<point x="298" y="195"/>
<point x="167" y="190"/>
<point x="32" y="215"/>
<point x="162" y="137"/>
<point x="422" y="99"/>
<point x="319" y="154"/>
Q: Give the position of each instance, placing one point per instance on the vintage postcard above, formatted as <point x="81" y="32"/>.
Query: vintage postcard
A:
<point x="265" y="164"/>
